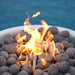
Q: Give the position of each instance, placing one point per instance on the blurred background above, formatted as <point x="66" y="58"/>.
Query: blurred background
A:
<point x="54" y="12"/>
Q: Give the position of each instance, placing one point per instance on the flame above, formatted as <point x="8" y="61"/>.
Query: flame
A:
<point x="35" y="15"/>
<point x="37" y="44"/>
<point x="43" y="62"/>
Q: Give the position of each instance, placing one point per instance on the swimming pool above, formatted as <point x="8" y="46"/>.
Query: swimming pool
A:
<point x="54" y="12"/>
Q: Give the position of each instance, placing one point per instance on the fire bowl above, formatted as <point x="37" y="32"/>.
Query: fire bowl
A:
<point x="62" y="63"/>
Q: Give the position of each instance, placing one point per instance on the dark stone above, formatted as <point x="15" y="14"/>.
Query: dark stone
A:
<point x="65" y="44"/>
<point x="4" y="69"/>
<point x="11" y="61"/>
<point x="71" y="70"/>
<point x="38" y="72"/>
<point x="27" y="67"/>
<point x="14" y="69"/>
<point x="70" y="52"/>
<point x="61" y="57"/>
<point x="2" y="61"/>
<point x="64" y="33"/>
<point x="6" y="73"/>
<point x="5" y="54"/>
<point x="10" y="48"/>
<point x="53" y="69"/>
<point x="22" y="73"/>
<point x="53" y="29"/>
<point x="63" y="66"/>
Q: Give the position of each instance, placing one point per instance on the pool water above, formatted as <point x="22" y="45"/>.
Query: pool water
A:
<point x="54" y="12"/>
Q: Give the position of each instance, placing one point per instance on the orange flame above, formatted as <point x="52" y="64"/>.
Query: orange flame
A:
<point x="36" y="45"/>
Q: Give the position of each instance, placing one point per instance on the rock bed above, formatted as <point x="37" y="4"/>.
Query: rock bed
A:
<point x="63" y="64"/>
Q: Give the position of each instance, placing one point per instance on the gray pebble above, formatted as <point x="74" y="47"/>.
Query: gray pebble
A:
<point x="64" y="33"/>
<point x="6" y="73"/>
<point x="72" y="39"/>
<point x="41" y="66"/>
<point x="2" y="61"/>
<point x="14" y="69"/>
<point x="40" y="29"/>
<point x="65" y="44"/>
<point x="38" y="72"/>
<point x="23" y="34"/>
<point x="62" y="57"/>
<point x="63" y="66"/>
<point x="4" y="53"/>
<point x="1" y="42"/>
<point x="67" y="74"/>
<point x="58" y="38"/>
<point x="72" y="62"/>
<point x="13" y="55"/>
<point x="4" y="69"/>
<point x="45" y="73"/>
<point x="11" y="60"/>
<point x="71" y="45"/>
<point x="58" y="45"/>
<point x="71" y="70"/>
<point x="53" y="29"/>
<point x="10" y="48"/>
<point x="9" y="39"/>
<point x="22" y="73"/>
<point x="27" y="67"/>
<point x="70" y="52"/>
<point x="53" y="69"/>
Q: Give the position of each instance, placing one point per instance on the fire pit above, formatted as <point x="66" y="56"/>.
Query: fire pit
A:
<point x="60" y="64"/>
<point x="37" y="50"/>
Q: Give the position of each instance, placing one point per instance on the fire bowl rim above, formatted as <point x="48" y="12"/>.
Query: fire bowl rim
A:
<point x="20" y="28"/>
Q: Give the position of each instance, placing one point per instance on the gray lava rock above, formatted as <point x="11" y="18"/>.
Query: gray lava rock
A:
<point x="70" y="52"/>
<point x="53" y="69"/>
<point x="64" y="33"/>
<point x="71" y="70"/>
<point x="72" y="62"/>
<point x="13" y="55"/>
<point x="63" y="66"/>
<point x="71" y="45"/>
<point x="41" y="66"/>
<point x="60" y="74"/>
<point x="58" y="38"/>
<point x="27" y="67"/>
<point x="6" y="73"/>
<point x="72" y="39"/>
<point x="62" y="57"/>
<point x="14" y="69"/>
<point x="38" y="72"/>
<point x="28" y="36"/>
<point x="9" y="39"/>
<point x="67" y="74"/>
<point x="53" y="29"/>
<point x="10" y="48"/>
<point x="11" y="60"/>
<point x="58" y="45"/>
<point x="4" y="69"/>
<point x="1" y="42"/>
<point x="45" y="73"/>
<point x="2" y="61"/>
<point x="22" y="73"/>
<point x="4" y="53"/>
<point x="40" y="29"/>
<point x="65" y="44"/>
